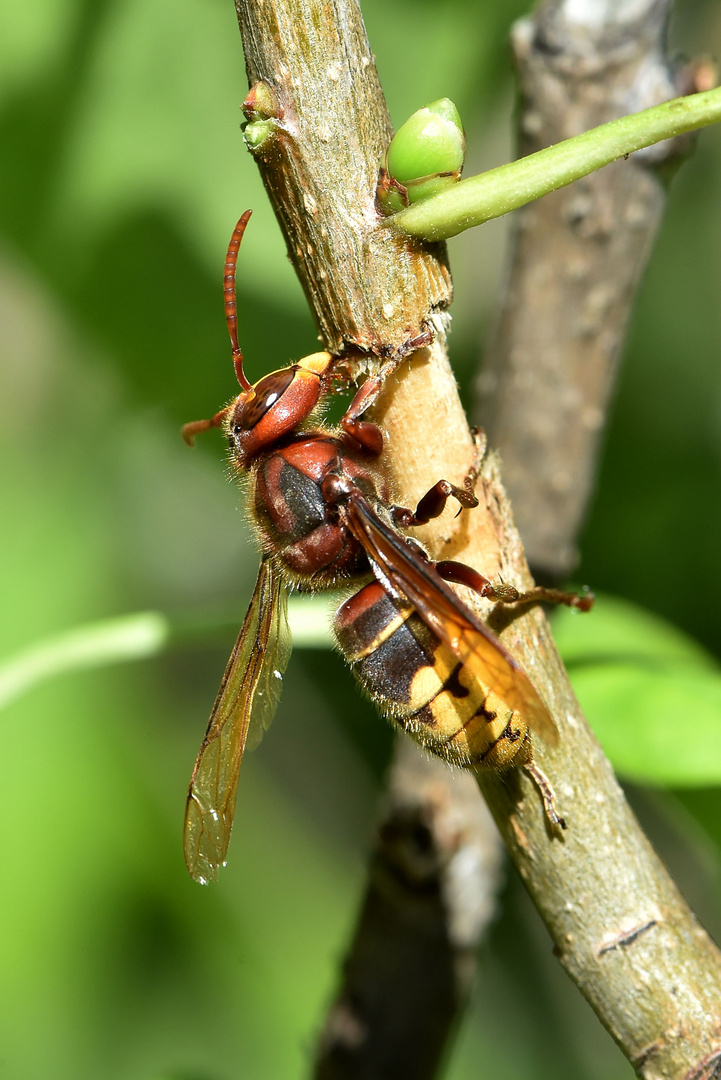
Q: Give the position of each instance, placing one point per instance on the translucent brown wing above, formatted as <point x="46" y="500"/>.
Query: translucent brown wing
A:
<point x="244" y="707"/>
<point x="408" y="576"/>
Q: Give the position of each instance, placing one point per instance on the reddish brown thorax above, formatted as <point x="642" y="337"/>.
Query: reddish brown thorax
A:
<point x="298" y="522"/>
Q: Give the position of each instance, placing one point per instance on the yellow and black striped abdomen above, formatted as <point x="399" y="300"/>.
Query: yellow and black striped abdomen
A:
<point x="416" y="680"/>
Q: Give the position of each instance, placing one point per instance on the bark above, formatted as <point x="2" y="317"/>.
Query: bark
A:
<point x="366" y="286"/>
<point x="619" y="926"/>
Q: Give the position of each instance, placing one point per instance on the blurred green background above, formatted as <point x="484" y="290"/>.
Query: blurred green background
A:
<point x="122" y="172"/>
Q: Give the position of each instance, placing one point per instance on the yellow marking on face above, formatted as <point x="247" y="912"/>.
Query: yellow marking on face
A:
<point x="318" y="362"/>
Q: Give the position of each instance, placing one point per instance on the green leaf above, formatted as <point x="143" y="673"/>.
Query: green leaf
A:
<point x="651" y="694"/>
<point x="258" y="133"/>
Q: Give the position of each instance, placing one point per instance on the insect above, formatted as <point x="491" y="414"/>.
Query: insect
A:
<point x="323" y="517"/>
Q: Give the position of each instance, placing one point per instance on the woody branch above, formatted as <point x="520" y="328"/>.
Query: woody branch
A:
<point x="618" y="922"/>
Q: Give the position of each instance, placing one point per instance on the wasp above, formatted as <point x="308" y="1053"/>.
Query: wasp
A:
<point x="323" y="517"/>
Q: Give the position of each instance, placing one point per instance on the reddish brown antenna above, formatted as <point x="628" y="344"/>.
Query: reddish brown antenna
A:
<point x="231" y="311"/>
<point x="195" y="427"/>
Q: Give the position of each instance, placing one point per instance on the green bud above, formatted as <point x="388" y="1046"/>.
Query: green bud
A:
<point x="261" y="103"/>
<point x="430" y="142"/>
<point x="258" y="133"/>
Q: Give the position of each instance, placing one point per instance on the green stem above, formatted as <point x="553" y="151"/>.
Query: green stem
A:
<point x="109" y="641"/>
<point x="137" y="637"/>
<point x="493" y="193"/>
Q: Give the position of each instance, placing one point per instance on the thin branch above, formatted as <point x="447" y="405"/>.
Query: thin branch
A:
<point x="494" y="193"/>
<point x="620" y="927"/>
<point x="138" y="637"/>
<point x="110" y="641"/>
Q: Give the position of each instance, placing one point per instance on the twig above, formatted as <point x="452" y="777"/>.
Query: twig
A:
<point x="108" y="641"/>
<point x="491" y="194"/>
<point x="366" y="286"/>
<point x="137" y="637"/>
<point x="658" y="991"/>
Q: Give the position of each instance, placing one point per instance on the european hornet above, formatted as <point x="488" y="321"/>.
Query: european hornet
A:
<point x="324" y="517"/>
